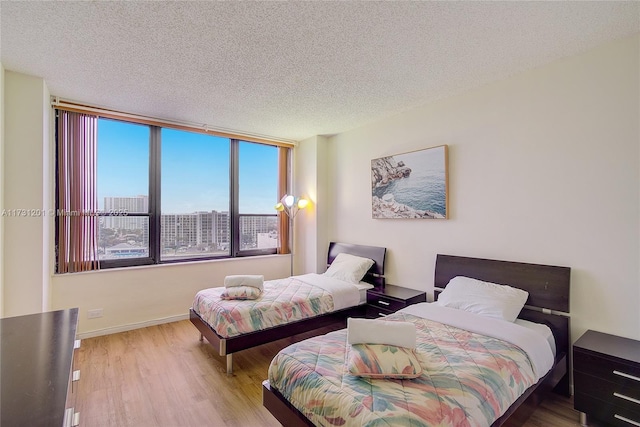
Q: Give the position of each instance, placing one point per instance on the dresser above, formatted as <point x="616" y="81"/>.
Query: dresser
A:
<point x="606" y="377"/>
<point x="382" y="301"/>
<point x="36" y="358"/>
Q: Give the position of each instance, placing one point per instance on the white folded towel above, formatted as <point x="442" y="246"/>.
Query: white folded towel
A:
<point x="374" y="331"/>
<point x="255" y="281"/>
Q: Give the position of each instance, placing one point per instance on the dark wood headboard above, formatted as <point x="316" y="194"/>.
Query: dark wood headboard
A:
<point x="548" y="285"/>
<point x="548" y="288"/>
<point x="377" y="254"/>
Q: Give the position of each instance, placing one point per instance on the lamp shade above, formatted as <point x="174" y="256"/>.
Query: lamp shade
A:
<point x="291" y="204"/>
<point x="302" y="203"/>
<point x="288" y="200"/>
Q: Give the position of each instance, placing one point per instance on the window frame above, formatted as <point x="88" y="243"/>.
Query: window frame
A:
<point x="154" y="198"/>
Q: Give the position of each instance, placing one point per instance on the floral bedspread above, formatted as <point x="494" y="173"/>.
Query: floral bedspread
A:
<point x="468" y="380"/>
<point x="282" y="301"/>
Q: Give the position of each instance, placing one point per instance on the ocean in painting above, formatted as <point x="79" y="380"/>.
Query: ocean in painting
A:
<point x="425" y="188"/>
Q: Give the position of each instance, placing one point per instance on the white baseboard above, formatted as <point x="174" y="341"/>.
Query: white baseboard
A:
<point x="132" y="326"/>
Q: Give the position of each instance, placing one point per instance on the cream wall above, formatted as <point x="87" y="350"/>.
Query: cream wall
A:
<point x="1" y="189"/>
<point x="311" y="223"/>
<point x="26" y="188"/>
<point x="543" y="168"/>
<point x="142" y="296"/>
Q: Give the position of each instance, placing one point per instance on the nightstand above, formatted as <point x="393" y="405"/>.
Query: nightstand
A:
<point x="606" y="378"/>
<point x="382" y="301"/>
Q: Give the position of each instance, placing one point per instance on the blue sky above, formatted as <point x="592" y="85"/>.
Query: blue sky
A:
<point x="195" y="169"/>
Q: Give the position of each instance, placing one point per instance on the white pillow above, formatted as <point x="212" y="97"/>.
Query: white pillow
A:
<point x="484" y="298"/>
<point x="349" y="268"/>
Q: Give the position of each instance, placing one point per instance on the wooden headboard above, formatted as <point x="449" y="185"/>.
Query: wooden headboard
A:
<point x="375" y="275"/>
<point x="548" y="288"/>
<point x="548" y="285"/>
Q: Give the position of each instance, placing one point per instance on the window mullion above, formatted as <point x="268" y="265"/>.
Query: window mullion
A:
<point x="154" y="193"/>
<point x="234" y="205"/>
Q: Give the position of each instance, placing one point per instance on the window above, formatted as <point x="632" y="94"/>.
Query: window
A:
<point x="258" y="184"/>
<point x="195" y="195"/>
<point x="123" y="190"/>
<point x="170" y="195"/>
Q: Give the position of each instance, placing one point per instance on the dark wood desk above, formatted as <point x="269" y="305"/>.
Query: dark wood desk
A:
<point x="36" y="355"/>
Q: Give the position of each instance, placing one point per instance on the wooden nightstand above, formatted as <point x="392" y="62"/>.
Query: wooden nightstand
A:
<point x="382" y="301"/>
<point x="606" y="377"/>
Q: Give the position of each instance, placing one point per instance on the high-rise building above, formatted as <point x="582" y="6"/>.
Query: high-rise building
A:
<point x="208" y="231"/>
<point x="251" y="226"/>
<point x="203" y="231"/>
<point x="221" y="234"/>
<point x="119" y="209"/>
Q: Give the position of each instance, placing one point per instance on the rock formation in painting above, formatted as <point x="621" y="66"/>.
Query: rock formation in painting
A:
<point x="386" y="169"/>
<point x="387" y="207"/>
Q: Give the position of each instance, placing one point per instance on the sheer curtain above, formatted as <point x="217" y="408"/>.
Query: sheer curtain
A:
<point x="77" y="220"/>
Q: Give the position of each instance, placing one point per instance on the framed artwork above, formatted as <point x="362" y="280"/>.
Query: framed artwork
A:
<point x="411" y="185"/>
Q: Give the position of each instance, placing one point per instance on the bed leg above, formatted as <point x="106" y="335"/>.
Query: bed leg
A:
<point x="229" y="364"/>
<point x="201" y="338"/>
<point x="583" y="419"/>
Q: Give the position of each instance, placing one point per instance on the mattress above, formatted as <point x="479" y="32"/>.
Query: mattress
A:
<point x="469" y="378"/>
<point x="541" y="329"/>
<point x="282" y="301"/>
<point x="362" y="289"/>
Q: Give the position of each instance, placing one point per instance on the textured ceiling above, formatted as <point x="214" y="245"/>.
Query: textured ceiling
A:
<point x="291" y="70"/>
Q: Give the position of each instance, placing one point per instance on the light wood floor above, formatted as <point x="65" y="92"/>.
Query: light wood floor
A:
<point x="164" y="376"/>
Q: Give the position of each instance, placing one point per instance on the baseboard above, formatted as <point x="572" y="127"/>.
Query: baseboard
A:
<point x="132" y="326"/>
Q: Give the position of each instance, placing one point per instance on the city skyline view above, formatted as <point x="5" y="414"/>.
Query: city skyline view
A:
<point x="194" y="192"/>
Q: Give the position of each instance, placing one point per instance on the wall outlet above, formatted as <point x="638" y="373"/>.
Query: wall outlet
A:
<point x="94" y="314"/>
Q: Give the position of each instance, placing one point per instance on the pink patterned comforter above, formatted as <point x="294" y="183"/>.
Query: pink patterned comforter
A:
<point x="282" y="301"/>
<point x="469" y="379"/>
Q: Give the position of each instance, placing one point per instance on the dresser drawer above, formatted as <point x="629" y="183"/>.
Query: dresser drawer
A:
<point x="71" y="417"/>
<point x="386" y="304"/>
<point x="607" y="369"/>
<point x="605" y="411"/>
<point x="624" y="395"/>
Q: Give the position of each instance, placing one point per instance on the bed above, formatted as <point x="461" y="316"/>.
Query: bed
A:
<point x="348" y="400"/>
<point x="228" y="341"/>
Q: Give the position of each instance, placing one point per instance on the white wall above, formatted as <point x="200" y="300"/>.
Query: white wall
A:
<point x="543" y="168"/>
<point x="26" y="187"/>
<point x="47" y="186"/>
<point x="1" y="189"/>
<point x="141" y="296"/>
<point x="312" y="223"/>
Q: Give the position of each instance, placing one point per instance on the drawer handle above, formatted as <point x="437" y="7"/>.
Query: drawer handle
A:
<point x="386" y="303"/>
<point x="622" y="374"/>
<point x="630" y="399"/>
<point x="620" y="417"/>
<point x="382" y="315"/>
<point x="68" y="417"/>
